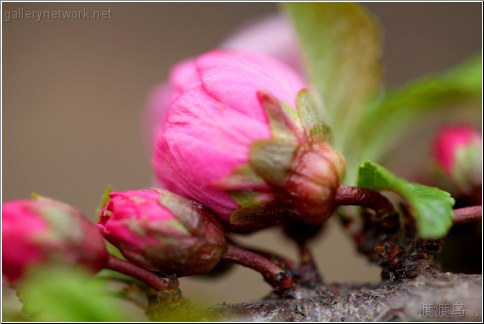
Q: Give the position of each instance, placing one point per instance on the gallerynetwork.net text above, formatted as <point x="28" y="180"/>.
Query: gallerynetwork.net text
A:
<point x="39" y="15"/>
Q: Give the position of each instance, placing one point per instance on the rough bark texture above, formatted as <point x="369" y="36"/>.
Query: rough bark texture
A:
<point x="421" y="299"/>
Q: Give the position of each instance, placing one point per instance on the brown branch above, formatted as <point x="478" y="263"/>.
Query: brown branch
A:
<point x="413" y="300"/>
<point x="467" y="214"/>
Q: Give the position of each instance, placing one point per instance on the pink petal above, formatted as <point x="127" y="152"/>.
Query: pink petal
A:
<point x="204" y="140"/>
<point x="235" y="77"/>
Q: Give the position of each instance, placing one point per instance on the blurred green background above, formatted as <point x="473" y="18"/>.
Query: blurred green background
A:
<point x="73" y="92"/>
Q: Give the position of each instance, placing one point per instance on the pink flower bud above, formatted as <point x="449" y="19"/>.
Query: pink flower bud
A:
<point x="255" y="36"/>
<point x="44" y="230"/>
<point x="458" y="153"/>
<point x="162" y="232"/>
<point x="234" y="140"/>
<point x="156" y="106"/>
<point x="449" y="140"/>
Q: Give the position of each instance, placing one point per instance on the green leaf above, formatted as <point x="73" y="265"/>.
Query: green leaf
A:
<point x="69" y="295"/>
<point x="341" y="46"/>
<point x="431" y="206"/>
<point x="386" y="121"/>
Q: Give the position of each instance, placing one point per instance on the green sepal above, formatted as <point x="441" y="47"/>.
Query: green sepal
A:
<point x="281" y="121"/>
<point x="114" y="251"/>
<point x="248" y="198"/>
<point x="292" y="113"/>
<point x="62" y="225"/>
<point x="272" y="158"/>
<point x="259" y="214"/>
<point x="467" y="165"/>
<point x="241" y="178"/>
<point x="431" y="207"/>
<point x="312" y="118"/>
<point x="185" y="211"/>
<point x="35" y="196"/>
<point x="104" y="199"/>
<point x="172" y="226"/>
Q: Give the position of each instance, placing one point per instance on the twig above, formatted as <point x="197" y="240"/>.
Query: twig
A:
<point x="134" y="271"/>
<point x="279" y="260"/>
<point x="355" y="196"/>
<point x="467" y="214"/>
<point x="273" y="274"/>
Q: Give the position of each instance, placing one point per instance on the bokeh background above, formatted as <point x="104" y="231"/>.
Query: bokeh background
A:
<point x="74" y="90"/>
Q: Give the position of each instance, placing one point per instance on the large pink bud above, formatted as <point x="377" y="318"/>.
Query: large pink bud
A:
<point x="255" y="36"/>
<point x="43" y="230"/>
<point x="163" y="232"/>
<point x="458" y="153"/>
<point x="242" y="138"/>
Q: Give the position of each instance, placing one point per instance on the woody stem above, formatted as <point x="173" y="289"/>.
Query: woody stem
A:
<point x="134" y="271"/>
<point x="272" y="273"/>
<point x="279" y="260"/>
<point x="308" y="274"/>
<point x="355" y="196"/>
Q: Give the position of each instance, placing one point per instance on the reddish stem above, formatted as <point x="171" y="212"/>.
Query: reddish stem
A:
<point x="272" y="273"/>
<point x="308" y="272"/>
<point x="277" y="259"/>
<point x="355" y="196"/>
<point x="467" y="214"/>
<point x="134" y="271"/>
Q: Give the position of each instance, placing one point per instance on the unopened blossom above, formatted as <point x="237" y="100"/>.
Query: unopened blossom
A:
<point x="242" y="138"/>
<point x="39" y="231"/>
<point x="458" y="153"/>
<point x="162" y="232"/>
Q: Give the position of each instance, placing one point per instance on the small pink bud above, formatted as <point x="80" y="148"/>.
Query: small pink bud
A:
<point x="163" y="232"/>
<point x="243" y="138"/>
<point x="42" y="230"/>
<point x="458" y="153"/>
